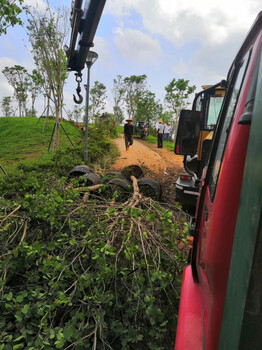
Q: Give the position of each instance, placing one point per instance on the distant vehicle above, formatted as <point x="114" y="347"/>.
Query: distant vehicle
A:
<point x="208" y="102"/>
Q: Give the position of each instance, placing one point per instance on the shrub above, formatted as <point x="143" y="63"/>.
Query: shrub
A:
<point x="78" y="275"/>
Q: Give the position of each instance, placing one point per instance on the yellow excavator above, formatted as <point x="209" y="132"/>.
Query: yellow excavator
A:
<point x="208" y="101"/>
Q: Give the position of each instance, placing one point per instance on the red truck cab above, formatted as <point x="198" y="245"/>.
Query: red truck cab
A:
<point x="216" y="291"/>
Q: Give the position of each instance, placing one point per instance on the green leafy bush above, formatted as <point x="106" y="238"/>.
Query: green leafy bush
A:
<point x="86" y="276"/>
<point x="99" y="274"/>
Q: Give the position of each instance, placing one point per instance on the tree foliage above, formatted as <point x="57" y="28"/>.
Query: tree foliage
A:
<point x="85" y="274"/>
<point x="18" y="77"/>
<point x="134" y="88"/>
<point x="177" y="94"/>
<point x="9" y="14"/>
<point x="118" y="95"/>
<point x="98" y="99"/>
<point x="35" y="87"/>
<point x="141" y="103"/>
<point x="147" y="108"/>
<point x="46" y="35"/>
<point x="6" y="106"/>
<point x="77" y="114"/>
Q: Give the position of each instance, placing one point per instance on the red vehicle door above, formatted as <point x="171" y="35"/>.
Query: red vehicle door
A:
<point x="218" y="205"/>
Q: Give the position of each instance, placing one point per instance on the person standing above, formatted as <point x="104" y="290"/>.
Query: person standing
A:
<point x="128" y="133"/>
<point x="167" y="132"/>
<point x="160" y="134"/>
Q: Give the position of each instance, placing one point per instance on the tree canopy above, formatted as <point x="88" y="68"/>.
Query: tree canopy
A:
<point x="18" y="77"/>
<point x="6" y="106"/>
<point x="118" y="95"/>
<point x="177" y="94"/>
<point x="134" y="89"/>
<point x="9" y="14"/>
<point x="47" y="33"/>
<point x="97" y="98"/>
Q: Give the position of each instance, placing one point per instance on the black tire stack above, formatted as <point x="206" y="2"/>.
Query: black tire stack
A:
<point x="117" y="185"/>
<point x="149" y="188"/>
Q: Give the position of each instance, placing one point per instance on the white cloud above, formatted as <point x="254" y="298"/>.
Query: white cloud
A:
<point x="205" y="35"/>
<point x="7" y="62"/>
<point x="104" y="51"/>
<point x="123" y="8"/>
<point x="181" y="21"/>
<point x="212" y="62"/>
<point x="137" y="46"/>
<point x="5" y="88"/>
<point x="181" y="69"/>
<point x="38" y="4"/>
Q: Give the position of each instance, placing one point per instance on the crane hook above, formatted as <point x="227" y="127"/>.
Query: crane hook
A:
<point x="78" y="89"/>
<point x="80" y="100"/>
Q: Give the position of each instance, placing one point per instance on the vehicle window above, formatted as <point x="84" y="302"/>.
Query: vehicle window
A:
<point x="226" y="126"/>
<point x="248" y="111"/>
<point x="198" y="104"/>
<point x="214" y="107"/>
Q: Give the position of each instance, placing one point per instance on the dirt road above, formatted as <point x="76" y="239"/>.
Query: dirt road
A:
<point x="160" y="164"/>
<point x="157" y="160"/>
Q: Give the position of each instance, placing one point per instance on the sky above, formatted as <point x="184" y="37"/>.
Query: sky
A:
<point x="164" y="39"/>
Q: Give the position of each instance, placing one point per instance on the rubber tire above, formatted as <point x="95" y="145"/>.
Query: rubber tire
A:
<point x="134" y="170"/>
<point x="149" y="188"/>
<point x="90" y="179"/>
<point x="120" y="185"/>
<point x="80" y="170"/>
<point x="112" y="175"/>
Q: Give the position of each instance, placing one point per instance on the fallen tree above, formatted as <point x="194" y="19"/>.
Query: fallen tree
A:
<point x="93" y="274"/>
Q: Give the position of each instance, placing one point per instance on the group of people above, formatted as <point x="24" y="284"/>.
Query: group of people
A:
<point x="163" y="133"/>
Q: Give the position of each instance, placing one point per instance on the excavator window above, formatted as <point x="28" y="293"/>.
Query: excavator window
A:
<point x="226" y="125"/>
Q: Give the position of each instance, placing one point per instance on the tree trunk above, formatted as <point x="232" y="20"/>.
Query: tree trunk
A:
<point x="33" y="105"/>
<point x="57" y="112"/>
<point x="24" y="109"/>
<point x="20" y="108"/>
<point x="47" y="110"/>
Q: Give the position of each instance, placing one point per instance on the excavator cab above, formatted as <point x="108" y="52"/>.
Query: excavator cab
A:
<point x="201" y="120"/>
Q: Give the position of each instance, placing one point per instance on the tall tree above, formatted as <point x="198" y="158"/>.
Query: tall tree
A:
<point x="118" y="95"/>
<point x="147" y="108"/>
<point x="134" y="88"/>
<point x="9" y="14"/>
<point x="98" y="99"/>
<point x="47" y="34"/>
<point x="6" y="106"/>
<point x="35" y="86"/>
<point x="177" y="94"/>
<point x="18" y="78"/>
<point x="77" y="114"/>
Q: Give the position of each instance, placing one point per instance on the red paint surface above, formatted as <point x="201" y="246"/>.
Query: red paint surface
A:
<point x="189" y="328"/>
<point x="202" y="304"/>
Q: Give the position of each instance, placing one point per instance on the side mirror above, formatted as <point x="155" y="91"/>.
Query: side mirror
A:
<point x="188" y="132"/>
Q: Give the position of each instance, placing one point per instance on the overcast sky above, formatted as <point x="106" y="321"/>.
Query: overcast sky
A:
<point x="164" y="39"/>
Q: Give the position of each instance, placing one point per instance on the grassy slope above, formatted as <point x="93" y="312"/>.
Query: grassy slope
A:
<point x="23" y="140"/>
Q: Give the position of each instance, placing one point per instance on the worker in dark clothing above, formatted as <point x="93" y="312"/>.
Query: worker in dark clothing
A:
<point x="128" y="133"/>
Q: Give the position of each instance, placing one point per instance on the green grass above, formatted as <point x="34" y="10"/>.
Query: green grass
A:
<point x="119" y="128"/>
<point x="168" y="145"/>
<point x="23" y="140"/>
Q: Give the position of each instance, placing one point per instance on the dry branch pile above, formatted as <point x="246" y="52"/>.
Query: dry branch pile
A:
<point x="106" y="275"/>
